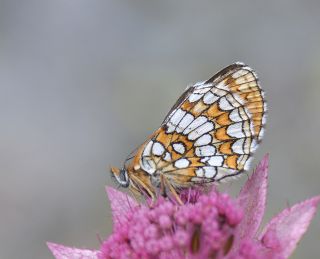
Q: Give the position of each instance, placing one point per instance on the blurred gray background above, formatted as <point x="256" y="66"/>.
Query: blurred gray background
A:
<point x="83" y="82"/>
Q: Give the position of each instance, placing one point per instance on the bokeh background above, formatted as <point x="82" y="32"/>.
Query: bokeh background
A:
<point x="82" y="83"/>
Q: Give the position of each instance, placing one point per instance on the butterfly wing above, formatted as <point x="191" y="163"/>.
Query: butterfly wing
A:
<point x="211" y="132"/>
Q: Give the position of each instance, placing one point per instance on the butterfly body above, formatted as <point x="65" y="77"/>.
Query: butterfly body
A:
<point x="208" y="135"/>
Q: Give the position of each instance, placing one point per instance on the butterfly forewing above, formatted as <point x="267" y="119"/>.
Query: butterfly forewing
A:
<point x="211" y="132"/>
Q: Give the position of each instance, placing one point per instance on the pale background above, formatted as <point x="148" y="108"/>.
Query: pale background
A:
<point x="83" y="82"/>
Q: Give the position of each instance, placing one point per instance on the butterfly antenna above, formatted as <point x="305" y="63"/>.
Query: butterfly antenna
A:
<point x="99" y="238"/>
<point x="131" y="155"/>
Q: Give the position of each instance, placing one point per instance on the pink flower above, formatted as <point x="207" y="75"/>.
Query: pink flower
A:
<point x="208" y="225"/>
<point x="166" y="230"/>
<point x="63" y="252"/>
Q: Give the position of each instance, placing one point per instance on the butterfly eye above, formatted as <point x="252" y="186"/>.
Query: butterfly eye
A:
<point x="123" y="175"/>
<point x="123" y="178"/>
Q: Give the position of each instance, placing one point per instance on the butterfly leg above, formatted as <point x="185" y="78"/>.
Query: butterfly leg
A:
<point x="139" y="187"/>
<point x="166" y="184"/>
<point x="136" y="195"/>
<point x="163" y="190"/>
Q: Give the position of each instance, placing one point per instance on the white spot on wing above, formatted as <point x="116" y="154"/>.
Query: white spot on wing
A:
<point x="215" y="161"/>
<point x="222" y="172"/>
<point x="174" y="120"/>
<point x="204" y="159"/>
<point x="179" y="148"/>
<point x="237" y="146"/>
<point x="205" y="151"/>
<point x="242" y="160"/>
<point x="196" y="123"/>
<point x="167" y="157"/>
<point x="201" y="90"/>
<point x="147" y="149"/>
<point x="187" y="119"/>
<point x="222" y="86"/>
<point x="182" y="163"/>
<point x="210" y="98"/>
<point x="235" y="116"/>
<point x="203" y="129"/>
<point x="177" y="116"/>
<point x="195" y="97"/>
<point x="157" y="149"/>
<point x="235" y="100"/>
<point x="235" y="130"/>
<point x="224" y="104"/>
<point x="238" y="98"/>
<point x="219" y="92"/>
<point x="209" y="171"/>
<point x="244" y="113"/>
<point x="200" y="172"/>
<point x="148" y="165"/>
<point x="203" y="140"/>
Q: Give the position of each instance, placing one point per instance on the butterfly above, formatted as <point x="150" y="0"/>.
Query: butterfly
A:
<point x="208" y="135"/>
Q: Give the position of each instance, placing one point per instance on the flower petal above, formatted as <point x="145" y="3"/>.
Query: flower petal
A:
<point x="121" y="204"/>
<point x="252" y="199"/>
<point x="285" y="230"/>
<point x="63" y="252"/>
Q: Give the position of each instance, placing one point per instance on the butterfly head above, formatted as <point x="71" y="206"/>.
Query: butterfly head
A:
<point x="121" y="176"/>
<point x="138" y="182"/>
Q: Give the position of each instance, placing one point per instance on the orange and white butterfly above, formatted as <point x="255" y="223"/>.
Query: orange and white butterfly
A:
<point x="208" y="135"/>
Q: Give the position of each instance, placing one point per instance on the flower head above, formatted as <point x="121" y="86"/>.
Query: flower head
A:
<point x="208" y="225"/>
<point x="166" y="230"/>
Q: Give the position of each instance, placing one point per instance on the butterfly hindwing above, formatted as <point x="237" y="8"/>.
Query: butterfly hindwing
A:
<point x="211" y="132"/>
